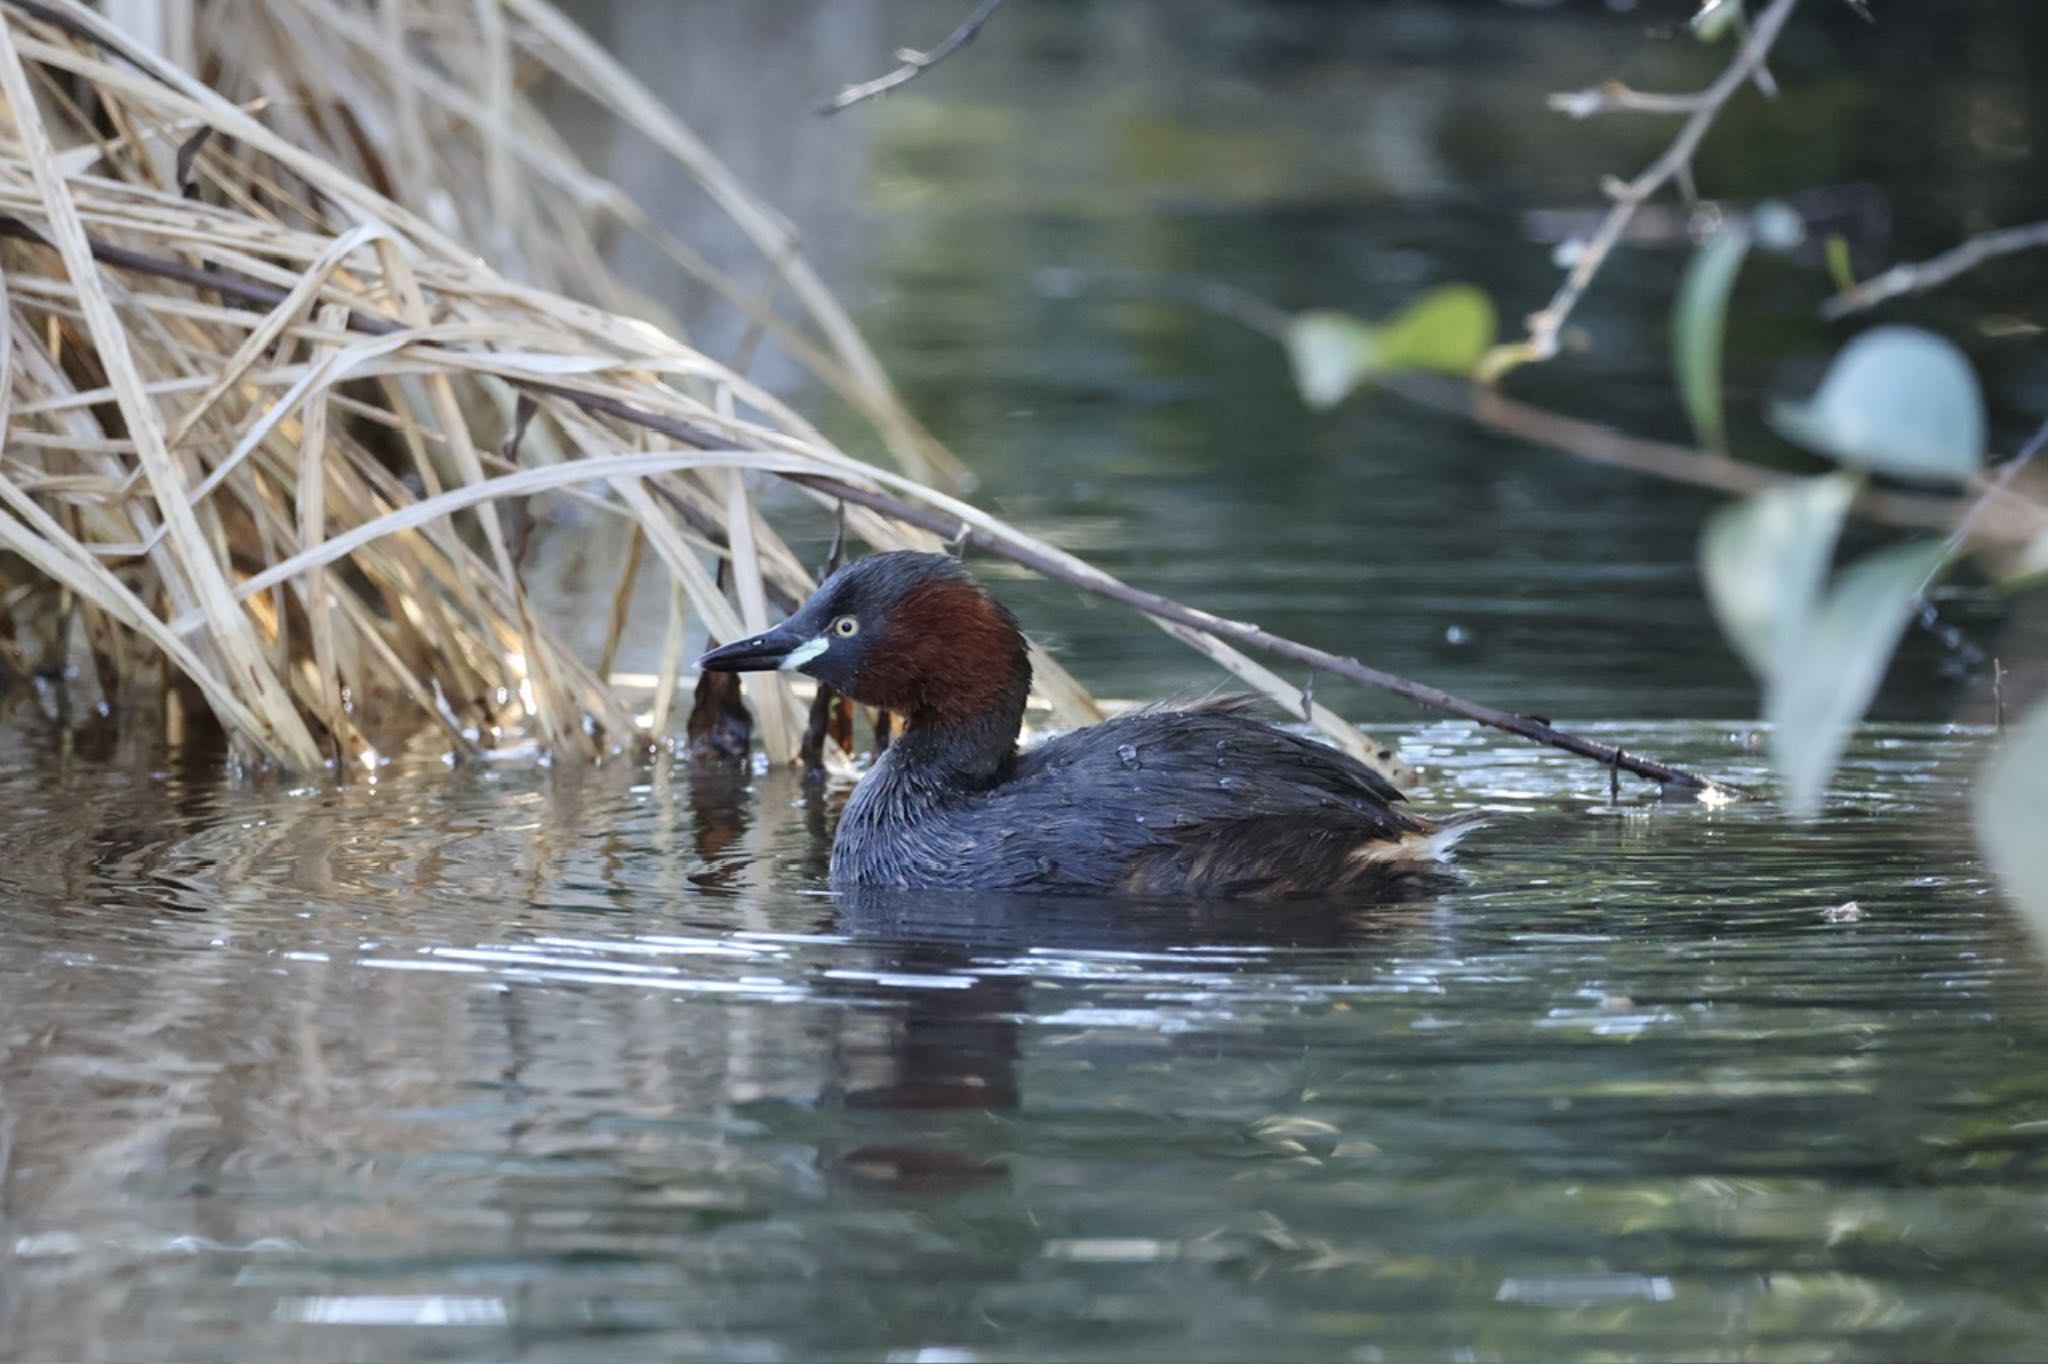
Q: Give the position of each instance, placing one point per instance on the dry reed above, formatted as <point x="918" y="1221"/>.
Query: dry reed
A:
<point x="265" y="403"/>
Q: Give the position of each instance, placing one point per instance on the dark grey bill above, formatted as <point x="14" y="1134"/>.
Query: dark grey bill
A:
<point x="761" y="654"/>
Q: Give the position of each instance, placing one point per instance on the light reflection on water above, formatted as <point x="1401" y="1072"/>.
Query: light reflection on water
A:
<point x="585" y="1064"/>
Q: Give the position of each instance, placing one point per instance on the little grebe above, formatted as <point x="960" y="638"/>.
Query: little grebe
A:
<point x="1200" y="800"/>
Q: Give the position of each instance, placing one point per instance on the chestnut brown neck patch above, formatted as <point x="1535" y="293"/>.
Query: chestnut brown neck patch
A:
<point x="949" y="653"/>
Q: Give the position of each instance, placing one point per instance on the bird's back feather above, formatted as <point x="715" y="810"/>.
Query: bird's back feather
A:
<point x="1201" y="799"/>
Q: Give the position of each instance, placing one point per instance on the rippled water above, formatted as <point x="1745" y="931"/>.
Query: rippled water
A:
<point x="585" y="1065"/>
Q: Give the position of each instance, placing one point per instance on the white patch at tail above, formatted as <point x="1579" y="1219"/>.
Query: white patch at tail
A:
<point x="1448" y="831"/>
<point x="1432" y="844"/>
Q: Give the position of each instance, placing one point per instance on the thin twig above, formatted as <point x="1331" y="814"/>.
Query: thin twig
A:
<point x="1162" y="608"/>
<point x="831" y="713"/>
<point x="1930" y="274"/>
<point x="1994" y="488"/>
<point x="914" y="62"/>
<point x="1614" y="97"/>
<point x="1545" y="326"/>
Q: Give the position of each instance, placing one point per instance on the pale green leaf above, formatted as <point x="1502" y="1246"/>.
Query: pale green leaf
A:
<point x="1698" y="321"/>
<point x="1332" y="354"/>
<point x="2011" y="800"/>
<point x="1898" y="400"/>
<point x="1447" y="329"/>
<point x="1825" y="676"/>
<point x="1763" y="562"/>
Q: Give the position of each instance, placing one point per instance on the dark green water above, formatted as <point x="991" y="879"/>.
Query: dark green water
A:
<point x="586" y="1064"/>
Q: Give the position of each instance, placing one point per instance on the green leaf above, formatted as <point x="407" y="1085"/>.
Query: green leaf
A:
<point x="1764" y="561"/>
<point x="1447" y="329"/>
<point x="2011" y="802"/>
<point x="1898" y="400"/>
<point x="1840" y="269"/>
<point x="1826" y="675"/>
<point x="1698" y="322"/>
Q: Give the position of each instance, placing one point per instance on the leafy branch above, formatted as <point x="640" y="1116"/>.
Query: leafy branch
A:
<point x="1897" y="402"/>
<point x="1630" y="195"/>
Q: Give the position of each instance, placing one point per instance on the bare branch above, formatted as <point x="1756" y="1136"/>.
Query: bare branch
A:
<point x="1930" y="274"/>
<point x="1630" y="195"/>
<point x="1995" y="487"/>
<point x="1614" y="97"/>
<point x="2000" y="519"/>
<point x="914" y="62"/>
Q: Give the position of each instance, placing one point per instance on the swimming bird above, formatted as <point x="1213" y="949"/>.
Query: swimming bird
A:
<point x="1202" y="799"/>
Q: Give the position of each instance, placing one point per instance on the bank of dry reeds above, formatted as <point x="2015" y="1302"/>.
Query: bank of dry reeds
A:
<point x="288" y="346"/>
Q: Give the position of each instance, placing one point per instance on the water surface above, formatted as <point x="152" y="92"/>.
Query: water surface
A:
<point x="585" y="1065"/>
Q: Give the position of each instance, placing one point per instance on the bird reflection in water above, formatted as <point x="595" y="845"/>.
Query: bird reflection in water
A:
<point x="721" y="812"/>
<point x="950" y="976"/>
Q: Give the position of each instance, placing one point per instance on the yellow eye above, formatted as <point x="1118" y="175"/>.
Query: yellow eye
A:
<point x="846" y="627"/>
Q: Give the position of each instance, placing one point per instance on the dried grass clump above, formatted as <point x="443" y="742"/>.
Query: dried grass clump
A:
<point x="265" y="404"/>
